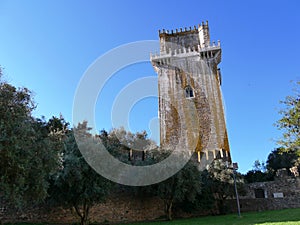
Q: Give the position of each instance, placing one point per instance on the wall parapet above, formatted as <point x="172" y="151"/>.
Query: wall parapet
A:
<point x="183" y="51"/>
<point x="183" y="30"/>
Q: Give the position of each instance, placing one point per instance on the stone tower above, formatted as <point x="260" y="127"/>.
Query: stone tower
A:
<point x="191" y="110"/>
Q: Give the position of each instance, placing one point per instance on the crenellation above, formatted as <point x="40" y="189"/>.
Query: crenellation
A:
<point x="209" y="51"/>
<point x="197" y="39"/>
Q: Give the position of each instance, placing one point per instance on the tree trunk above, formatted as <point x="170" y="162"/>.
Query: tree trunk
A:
<point x="168" y="210"/>
<point x="84" y="214"/>
<point x="83" y="220"/>
<point x="221" y="206"/>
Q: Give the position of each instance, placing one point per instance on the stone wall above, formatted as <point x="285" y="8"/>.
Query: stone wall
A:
<point x="119" y="207"/>
<point x="262" y="204"/>
<point x="283" y="192"/>
<point x="123" y="207"/>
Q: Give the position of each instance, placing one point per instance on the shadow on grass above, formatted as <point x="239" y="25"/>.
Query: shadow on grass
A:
<point x="277" y="217"/>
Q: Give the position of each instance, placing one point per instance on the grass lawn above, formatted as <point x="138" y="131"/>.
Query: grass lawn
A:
<point x="278" y="217"/>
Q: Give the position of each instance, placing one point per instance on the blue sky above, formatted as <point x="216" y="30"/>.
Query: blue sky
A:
<point x="48" y="45"/>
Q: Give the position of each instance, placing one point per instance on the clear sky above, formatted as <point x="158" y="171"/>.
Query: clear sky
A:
<point x="48" y="45"/>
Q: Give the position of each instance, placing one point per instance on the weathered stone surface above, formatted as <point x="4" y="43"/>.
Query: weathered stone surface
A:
<point x="119" y="207"/>
<point x="288" y="186"/>
<point x="187" y="60"/>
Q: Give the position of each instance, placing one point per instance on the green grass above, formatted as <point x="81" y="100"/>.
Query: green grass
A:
<point x="278" y="217"/>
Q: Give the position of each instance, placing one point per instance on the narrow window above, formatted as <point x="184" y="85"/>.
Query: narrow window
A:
<point x="189" y="92"/>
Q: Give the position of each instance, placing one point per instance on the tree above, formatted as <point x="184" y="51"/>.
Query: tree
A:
<point x="183" y="186"/>
<point x="259" y="173"/>
<point x="77" y="185"/>
<point x="204" y="200"/>
<point x="290" y="125"/>
<point x="128" y="147"/>
<point x="258" y="176"/>
<point x="259" y="166"/>
<point x="27" y="150"/>
<point x="221" y="183"/>
<point x="280" y="158"/>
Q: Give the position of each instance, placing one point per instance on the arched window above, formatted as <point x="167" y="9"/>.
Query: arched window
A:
<point x="189" y="92"/>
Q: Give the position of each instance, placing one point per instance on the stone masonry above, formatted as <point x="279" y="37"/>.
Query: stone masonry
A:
<point x="190" y="101"/>
<point x="283" y="192"/>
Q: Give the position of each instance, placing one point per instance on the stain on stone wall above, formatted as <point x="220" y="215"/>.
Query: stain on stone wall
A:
<point x="195" y="122"/>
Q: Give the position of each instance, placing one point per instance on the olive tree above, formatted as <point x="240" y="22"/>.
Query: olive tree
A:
<point x="77" y="185"/>
<point x="29" y="152"/>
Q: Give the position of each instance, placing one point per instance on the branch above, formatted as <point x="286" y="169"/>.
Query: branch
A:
<point x="78" y="211"/>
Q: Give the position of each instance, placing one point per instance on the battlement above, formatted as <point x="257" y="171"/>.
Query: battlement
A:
<point x="176" y="31"/>
<point x="196" y="37"/>
<point x="187" y="42"/>
<point x="204" y="52"/>
<point x="181" y="31"/>
<point x="213" y="51"/>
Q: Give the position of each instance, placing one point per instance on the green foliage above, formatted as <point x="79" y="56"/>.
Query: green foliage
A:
<point x="288" y="155"/>
<point x="77" y="185"/>
<point x="280" y="158"/>
<point x="221" y="182"/>
<point x="259" y="166"/>
<point x="290" y="125"/>
<point x="28" y="152"/>
<point x="258" y="176"/>
<point x="128" y="147"/>
<point x="259" y="173"/>
<point x="183" y="186"/>
<point x="204" y="200"/>
<point x="290" y="121"/>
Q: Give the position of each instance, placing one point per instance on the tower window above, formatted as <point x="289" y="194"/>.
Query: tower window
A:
<point x="189" y="92"/>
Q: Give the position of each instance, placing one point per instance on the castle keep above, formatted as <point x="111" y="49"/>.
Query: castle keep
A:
<point x="190" y="101"/>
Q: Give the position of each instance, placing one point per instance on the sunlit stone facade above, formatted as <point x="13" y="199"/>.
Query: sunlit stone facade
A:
<point x="191" y="109"/>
